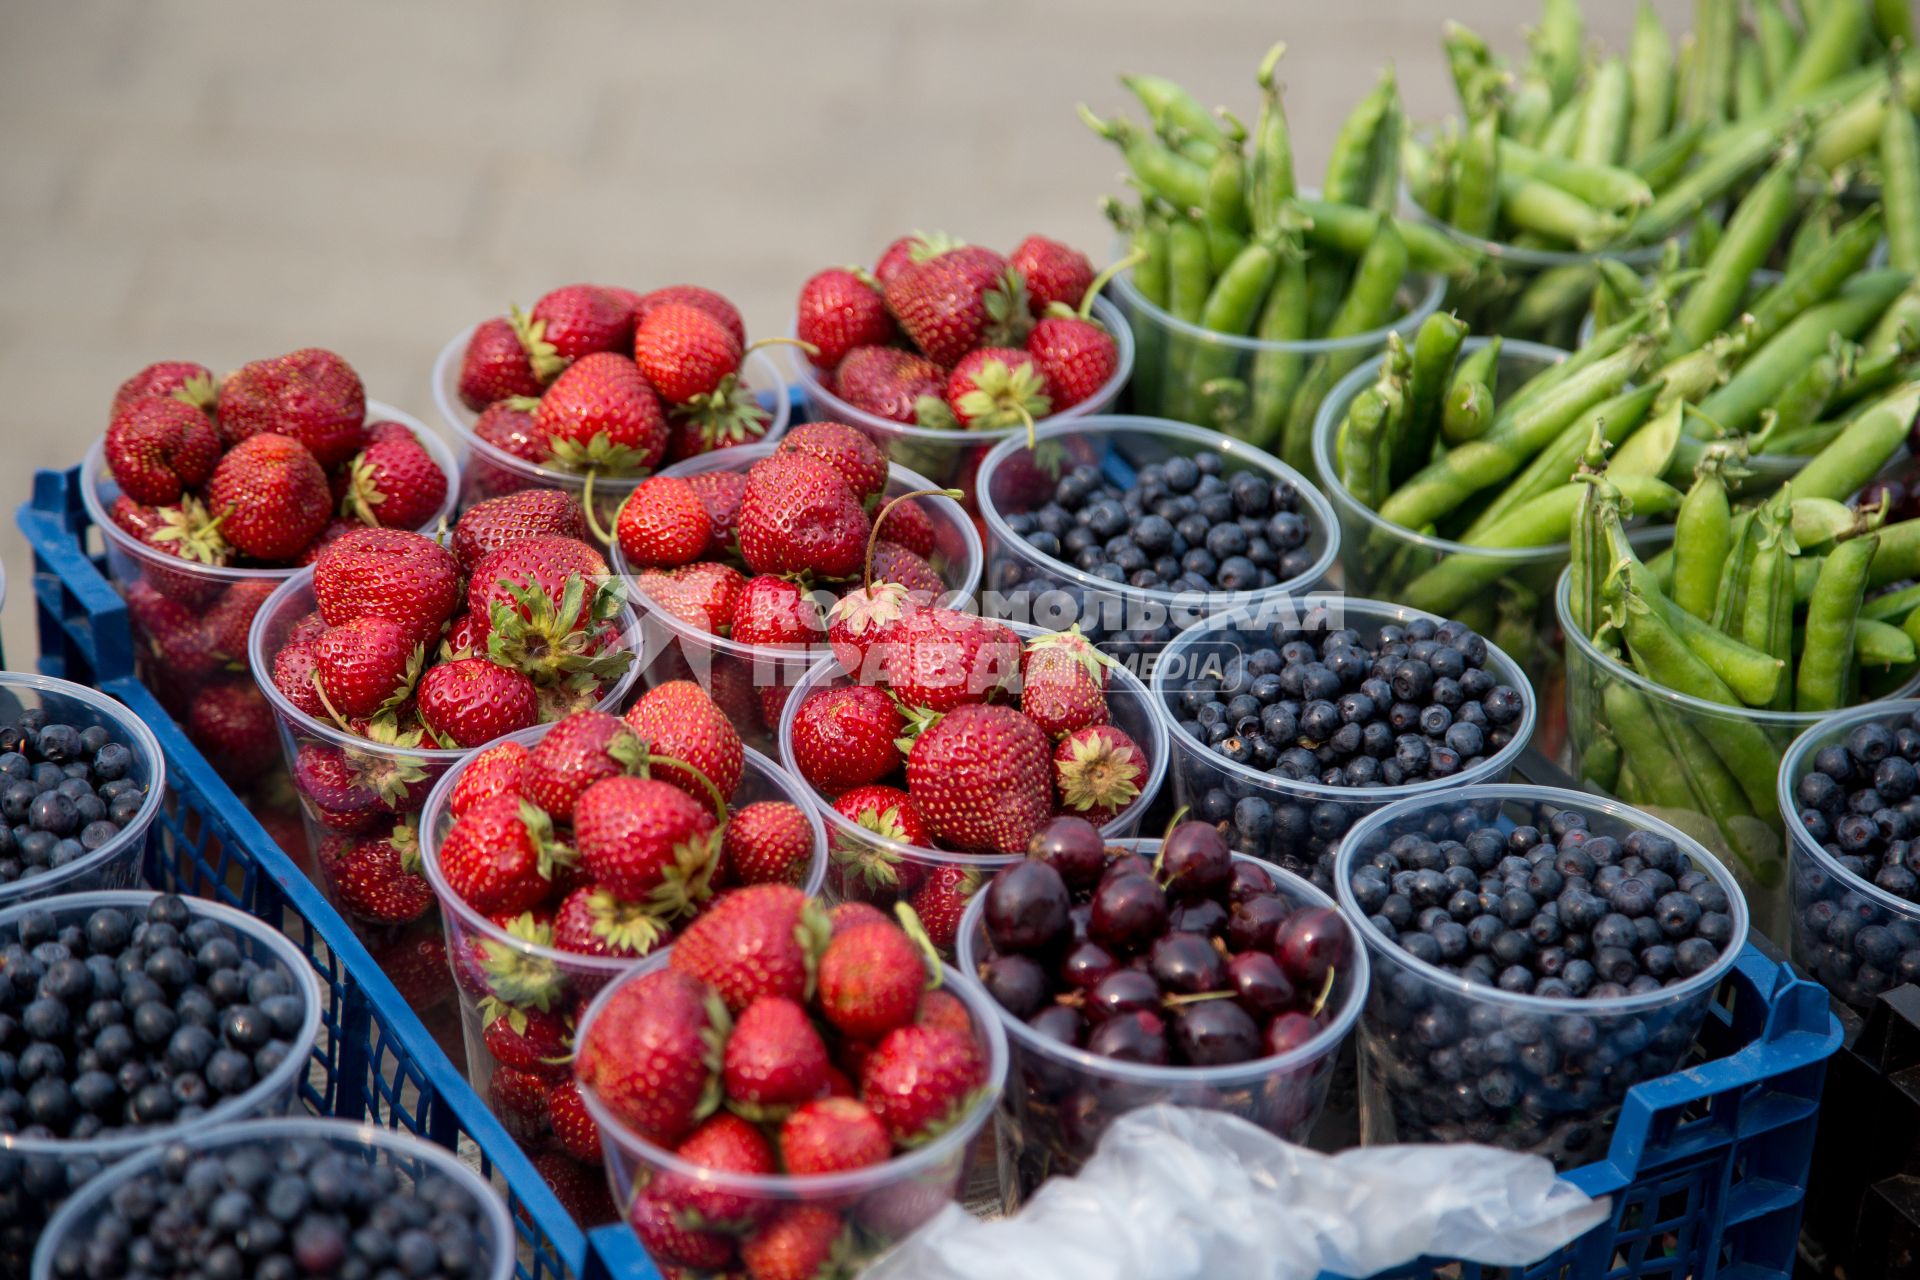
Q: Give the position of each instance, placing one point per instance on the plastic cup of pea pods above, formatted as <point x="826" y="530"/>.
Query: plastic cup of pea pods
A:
<point x="1854" y="875"/>
<point x="1536" y="952"/>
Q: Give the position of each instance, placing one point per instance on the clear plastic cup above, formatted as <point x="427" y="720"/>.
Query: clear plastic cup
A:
<point x="1125" y="620"/>
<point x="1130" y="710"/>
<point x="1190" y="373"/>
<point x="1298" y="825"/>
<point x="1059" y="1100"/>
<point x="952" y="457"/>
<point x="881" y="1203"/>
<point x="36" y="1174"/>
<point x="1857" y="939"/>
<point x="413" y="1159"/>
<point x="492" y="471"/>
<point x="1710" y="771"/>
<point x="493" y="968"/>
<point x="115" y="864"/>
<point x="1445" y="1060"/>
<point x="750" y="680"/>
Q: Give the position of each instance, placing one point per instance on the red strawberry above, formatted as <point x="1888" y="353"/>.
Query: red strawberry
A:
<point x="495" y="365"/>
<point x="231" y="721"/>
<point x="942" y="899"/>
<point x="952" y="302"/>
<point x="182" y="379"/>
<point x="869" y="870"/>
<point x="310" y="395"/>
<point x="545" y="600"/>
<point x="159" y="446"/>
<point x="982" y="779"/>
<point x="576" y="753"/>
<point x="908" y="524"/>
<point x="593" y="922"/>
<point x="726" y="1144"/>
<point x="997" y="387"/>
<point x="519" y="1098"/>
<point x="471" y="701"/>
<point x="946" y="1011"/>
<point x="646" y="841"/>
<point x="684" y="351"/>
<point x="888" y="812"/>
<point x="307" y="627"/>
<point x="394" y="481"/>
<point x="720" y="492"/>
<point x="861" y="626"/>
<point x="527" y="1039"/>
<point x="399" y="575"/>
<point x="677" y="719"/>
<point x="600" y="414"/>
<point x="774" y="1058"/>
<point x="1074" y="354"/>
<point x="941" y="659"/>
<point x="830" y="1135"/>
<point x="798" y="516"/>
<point x="894" y="563"/>
<point x="1054" y="272"/>
<point x="775" y="611"/>
<point x="845" y="737"/>
<point x="700" y="595"/>
<point x="508" y="425"/>
<point x="577" y="320"/>
<point x="768" y="842"/>
<point x="663" y="523"/>
<point x="692" y="295"/>
<point x="187" y="532"/>
<point x="757" y="941"/>
<point x="231" y="618"/>
<point x="509" y="973"/>
<point x="493" y="772"/>
<point x="1063" y="682"/>
<point x="653" y="1054"/>
<point x="517" y="575"/>
<point x="1098" y="771"/>
<point x="669" y="1241"/>
<point x="919" y="1080"/>
<point x="293" y="671"/>
<point x="848" y="915"/>
<point x="894" y="384"/>
<point x="416" y="964"/>
<point x="336" y="792"/>
<point x="270" y="495"/>
<point x="501" y="855"/>
<point x="903" y="252"/>
<point x="841" y="309"/>
<point x="800" y="1243"/>
<point x="580" y="1188"/>
<point x="870" y="980"/>
<point x="846" y="449"/>
<point x="572" y="1124"/>
<point x="174" y="633"/>
<point x="366" y="665"/>
<point x="514" y="517"/>
<point x="380" y="880"/>
<point x="466" y="637"/>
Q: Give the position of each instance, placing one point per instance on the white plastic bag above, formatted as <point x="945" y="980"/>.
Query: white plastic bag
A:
<point x="1178" y="1194"/>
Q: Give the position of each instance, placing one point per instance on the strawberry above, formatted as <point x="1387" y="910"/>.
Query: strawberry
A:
<point x="173" y="632"/>
<point x="907" y="524"/>
<point x="416" y="964"/>
<point x="696" y="296"/>
<point x="544" y="599"/>
<point x="670" y="1241"/>
<point x="336" y="793"/>
<point x="501" y="855"/>
<point x="510" y="976"/>
<point x="894" y="563"/>
<point x="950" y="302"/>
<point x="684" y="351"/>
<point x="366" y="665"/>
<point x="774" y="611"/>
<point x="981" y="778"/>
<point x="466" y="637"/>
<point x="525" y="1039"/>
<point x="495" y="366"/>
<point x="182" y="379"/>
<point x="942" y="899"/>
<point x="516" y="574"/>
<point x="159" y="446"/>
<point x="1075" y="356"/>
<point x="861" y="627"/>
<point x="576" y="753"/>
<point x="380" y="880"/>
<point x="1098" y="771"/>
<point x="888" y="812"/>
<point x="679" y="721"/>
<point x="940" y="659"/>
<point x="508" y="426"/>
<point x="870" y="979"/>
<point x="572" y="1124"/>
<point x="846" y="449"/>
<point x="868" y="869"/>
<point x="798" y="515"/>
<point x="646" y="841"/>
<point x="1054" y="272"/>
<point x="311" y="396"/>
<point x="841" y="309"/>
<point x="768" y="842"/>
<point x="700" y="595"/>
<point x="600" y="414"/>
<point x="902" y="252"/>
<point x="185" y="531"/>
<point x="845" y="737"/>
<point x="725" y="1144"/>
<point x="894" y="384"/>
<point x="720" y="493"/>
<point x="919" y="1080"/>
<point x="493" y="772"/>
<point x="514" y="517"/>
<point x="774" y="1058"/>
<point x="577" y="320"/>
<point x="580" y="1188"/>
<point x="997" y="387"/>
<point x="393" y="481"/>
<point x="663" y="523"/>
<point x="1063" y="682"/>
<point x="757" y="941"/>
<point x="293" y="672"/>
<point x="944" y="1010"/>
<point x="801" y="1242"/>
<point x="231" y="721"/>
<point x="519" y="1098"/>
<point x="591" y="921"/>
<point x="230" y="620"/>
<point x="830" y="1135"/>
<point x="270" y="495"/>
<point x="335" y="529"/>
<point x="471" y="701"/>
<point x="399" y="575"/>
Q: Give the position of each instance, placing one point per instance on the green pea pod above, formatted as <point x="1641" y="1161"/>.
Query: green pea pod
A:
<point x="1534" y="205"/>
<point x="1434" y="350"/>
<point x="1278" y="366"/>
<point x="1722" y="795"/>
<point x="1227" y="188"/>
<point x="1552" y="304"/>
<point x="1350" y="166"/>
<point x="1383" y="166"/>
<point x="1815" y="232"/>
<point x="1529" y="108"/>
<point x="1270" y="172"/>
<point x="1703" y="536"/>
<point x="1749" y="81"/>
<point x="1556" y="47"/>
<point x="1832" y="45"/>
<point x="1602" y="135"/>
<point x="1467" y="413"/>
<point x="1150" y="276"/>
<point x="1587" y="554"/>
<point x="1752" y="233"/>
<point x="1223" y="246"/>
<point x="1819" y="278"/>
<point x="1773" y="32"/>
<point x="1476" y="189"/>
<point x="1172" y="108"/>
<point x="1698" y="187"/>
<point x="1730" y="598"/>
<point x="1158" y="169"/>
<point x="1839" y="470"/>
<point x="1481" y="364"/>
<point x="1898" y="328"/>
<point x="1709" y="90"/>
<point x="1475" y="71"/>
<point x="1695" y="375"/>
<point x="1602" y="184"/>
<point x="1650" y="80"/>
<point x="1882" y="645"/>
<point x="1893" y="23"/>
<point x="1663" y="163"/>
<point x="1604" y="343"/>
<point x="1616" y="418"/>
<point x="1369" y="304"/>
<point x="1840" y="93"/>
<point x="1644" y="747"/>
<point x="1827" y="670"/>
<point x="1232" y="307"/>
<point x="1852" y="130"/>
<point x="1360" y="444"/>
<point x="1348" y="228"/>
<point x="1150" y="272"/>
<point x="1802" y="401"/>
<point x="1767" y="621"/>
<point x="1900" y="188"/>
<point x="1189" y="268"/>
<point x="1818" y="521"/>
<point x="1429" y="171"/>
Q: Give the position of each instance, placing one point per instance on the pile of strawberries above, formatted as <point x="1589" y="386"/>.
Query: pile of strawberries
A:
<point x="783" y="1040"/>
<point x="953" y="336"/>
<point x="600" y="379"/>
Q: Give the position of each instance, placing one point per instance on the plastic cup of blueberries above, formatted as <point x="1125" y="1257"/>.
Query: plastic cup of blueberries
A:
<point x="1045" y="586"/>
<point x="1451" y="1056"/>
<point x="750" y="680"/>
<point x="491" y="471"/>
<point x="1856" y="918"/>
<point x="412" y="1159"/>
<point x="950" y="457"/>
<point x="38" y="1173"/>
<point x="1060" y="1099"/>
<point x="1296" y="822"/>
<point x="116" y="863"/>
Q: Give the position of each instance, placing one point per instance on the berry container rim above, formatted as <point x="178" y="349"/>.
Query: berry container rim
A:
<point x="1830" y="729"/>
<point x="1499" y="251"/>
<point x="1430" y="289"/>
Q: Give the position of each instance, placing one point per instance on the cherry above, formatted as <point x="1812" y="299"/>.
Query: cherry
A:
<point x="1186" y="964"/>
<point x="1122" y="991"/>
<point x="1127" y="864"/>
<point x="1214" y="1032"/>
<point x="1128" y="912"/>
<point x="1260" y="983"/>
<point x="1073" y="847"/>
<point x="1289" y="1031"/>
<point x="1205" y="915"/>
<point x="1248" y="880"/>
<point x="1017" y="982"/>
<point x="1060" y="1023"/>
<point x="1194" y="861"/>
<point x="1135" y="1037"/>
<point x="1086" y="965"/>
<point x="1027" y="906"/>
<point x="1251" y="924"/>
<point x="1310" y="944"/>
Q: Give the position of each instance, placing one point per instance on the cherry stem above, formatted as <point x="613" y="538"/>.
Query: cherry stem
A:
<point x="801" y="343"/>
<point x="1100" y="281"/>
<point x="320" y="690"/>
<point x="873" y="536"/>
<point x="586" y="505"/>
<point x="1320" y="1001"/>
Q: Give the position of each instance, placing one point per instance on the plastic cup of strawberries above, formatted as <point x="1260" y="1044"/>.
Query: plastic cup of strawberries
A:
<point x="944" y="349"/>
<point x="562" y="856"/>
<point x="691" y="384"/>
<point x="746" y="612"/>
<point x="791" y="1090"/>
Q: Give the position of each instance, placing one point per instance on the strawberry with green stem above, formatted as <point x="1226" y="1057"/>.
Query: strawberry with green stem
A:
<point x="951" y="301"/>
<point x="546" y="601"/>
<point x="380" y="880"/>
<point x="1063" y="682"/>
<point x="1073" y="352"/>
<point x="601" y="416"/>
<point x="160" y="447"/>
<point x="981" y="777"/>
<point x="508" y="974"/>
<point x="842" y="308"/>
<point x="863" y="620"/>
<point x="366" y="666"/>
<point x="653" y="1055"/>
<point x="1097" y="772"/>
<point x="393" y="480"/>
<point x="471" y="701"/>
<point x="647" y="841"/>
<point x="759" y="941"/>
<point x="497" y="364"/>
<point x="595" y="921"/>
<point x="900" y="386"/>
<point x="184" y="380"/>
<point x="993" y="388"/>
<point x="502" y="855"/>
<point x="1054" y="272"/>
<point x="868" y="868"/>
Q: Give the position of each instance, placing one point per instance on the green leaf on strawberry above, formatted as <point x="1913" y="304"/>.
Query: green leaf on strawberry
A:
<point x="547" y="362"/>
